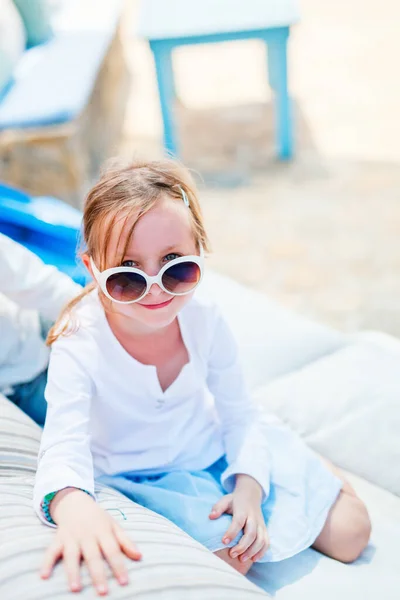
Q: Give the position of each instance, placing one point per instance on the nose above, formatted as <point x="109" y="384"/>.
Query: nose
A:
<point x="155" y="290"/>
<point x="152" y="268"/>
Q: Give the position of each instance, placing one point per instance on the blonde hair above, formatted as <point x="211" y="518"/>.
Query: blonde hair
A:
<point x="129" y="189"/>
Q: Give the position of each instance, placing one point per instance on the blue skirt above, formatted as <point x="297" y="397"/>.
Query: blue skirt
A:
<point x="302" y="493"/>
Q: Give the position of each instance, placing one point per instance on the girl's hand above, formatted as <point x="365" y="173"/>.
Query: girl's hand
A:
<point x="244" y="504"/>
<point x="87" y="531"/>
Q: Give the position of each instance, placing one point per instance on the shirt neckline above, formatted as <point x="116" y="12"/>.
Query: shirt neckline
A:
<point x="152" y="368"/>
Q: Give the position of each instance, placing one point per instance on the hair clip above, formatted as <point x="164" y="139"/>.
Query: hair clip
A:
<point x="184" y="196"/>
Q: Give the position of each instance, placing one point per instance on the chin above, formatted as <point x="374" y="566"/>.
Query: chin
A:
<point x="160" y="322"/>
<point x="155" y="319"/>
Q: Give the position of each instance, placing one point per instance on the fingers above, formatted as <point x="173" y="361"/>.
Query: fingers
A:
<point x="95" y="563"/>
<point x="112" y="553"/>
<point x="224" y="505"/>
<point x="71" y="553"/>
<point x="238" y="522"/>
<point x="260" y="554"/>
<point x="126" y="544"/>
<point x="109" y="542"/>
<point x="259" y="547"/>
<point x="72" y="557"/>
<point x="249" y="536"/>
<point x="52" y="554"/>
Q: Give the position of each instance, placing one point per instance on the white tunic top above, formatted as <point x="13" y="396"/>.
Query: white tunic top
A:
<point x="27" y="287"/>
<point x="107" y="413"/>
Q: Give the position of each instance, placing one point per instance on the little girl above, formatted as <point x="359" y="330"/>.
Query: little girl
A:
<point x="145" y="393"/>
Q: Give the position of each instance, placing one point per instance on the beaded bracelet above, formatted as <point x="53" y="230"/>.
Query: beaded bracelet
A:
<point x="45" y="505"/>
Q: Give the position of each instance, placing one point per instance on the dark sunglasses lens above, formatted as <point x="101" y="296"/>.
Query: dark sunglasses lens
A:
<point x="126" y="287"/>
<point x="181" y="278"/>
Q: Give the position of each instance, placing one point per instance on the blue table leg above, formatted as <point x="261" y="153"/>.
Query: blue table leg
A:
<point x="165" y="78"/>
<point x="277" y="71"/>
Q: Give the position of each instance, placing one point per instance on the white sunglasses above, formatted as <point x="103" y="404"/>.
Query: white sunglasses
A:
<point x="126" y="285"/>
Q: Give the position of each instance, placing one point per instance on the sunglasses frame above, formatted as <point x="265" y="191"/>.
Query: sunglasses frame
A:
<point x="102" y="276"/>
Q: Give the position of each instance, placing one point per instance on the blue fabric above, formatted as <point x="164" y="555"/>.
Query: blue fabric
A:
<point x="302" y="492"/>
<point x="29" y="397"/>
<point x="47" y="226"/>
<point x="36" y="16"/>
<point x="53" y="82"/>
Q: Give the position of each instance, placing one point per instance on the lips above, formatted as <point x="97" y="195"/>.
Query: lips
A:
<point x="156" y="306"/>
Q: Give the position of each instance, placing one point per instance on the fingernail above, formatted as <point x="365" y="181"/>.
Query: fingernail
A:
<point x="102" y="589"/>
<point x="234" y="554"/>
<point x="123" y="580"/>
<point x="226" y="540"/>
<point x="75" y="586"/>
<point x="245" y="557"/>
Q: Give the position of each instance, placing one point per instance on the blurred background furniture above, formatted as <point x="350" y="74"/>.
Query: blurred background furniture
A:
<point x="62" y="93"/>
<point x="168" y="24"/>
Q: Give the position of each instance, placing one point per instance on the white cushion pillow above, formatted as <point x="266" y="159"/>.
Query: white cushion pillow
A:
<point x="272" y="340"/>
<point x="175" y="567"/>
<point x="12" y="40"/>
<point x="347" y="407"/>
<point x="36" y="15"/>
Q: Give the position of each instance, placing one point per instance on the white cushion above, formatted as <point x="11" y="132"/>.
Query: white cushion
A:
<point x="174" y="567"/>
<point x="12" y="31"/>
<point x="36" y="15"/>
<point x="347" y="407"/>
<point x="272" y="340"/>
<point x="376" y="574"/>
<point x="12" y="40"/>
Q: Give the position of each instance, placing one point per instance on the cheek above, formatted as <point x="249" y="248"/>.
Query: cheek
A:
<point x="128" y="310"/>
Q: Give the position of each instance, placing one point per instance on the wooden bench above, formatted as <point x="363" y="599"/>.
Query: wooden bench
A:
<point x="64" y="112"/>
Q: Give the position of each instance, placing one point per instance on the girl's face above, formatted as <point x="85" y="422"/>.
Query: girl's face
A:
<point x="159" y="236"/>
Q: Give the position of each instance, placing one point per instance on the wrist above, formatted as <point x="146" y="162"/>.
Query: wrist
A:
<point x="244" y="481"/>
<point x="59" y="501"/>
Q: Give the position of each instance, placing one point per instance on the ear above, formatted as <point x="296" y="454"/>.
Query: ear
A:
<point x="86" y="261"/>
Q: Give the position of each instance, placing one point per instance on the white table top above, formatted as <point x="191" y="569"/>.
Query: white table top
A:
<point x="167" y="19"/>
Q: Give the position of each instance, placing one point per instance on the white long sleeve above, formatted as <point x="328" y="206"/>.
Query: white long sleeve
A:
<point x="27" y="287"/>
<point x="107" y="413"/>
<point x="25" y="279"/>
<point x="241" y="421"/>
<point x="65" y="458"/>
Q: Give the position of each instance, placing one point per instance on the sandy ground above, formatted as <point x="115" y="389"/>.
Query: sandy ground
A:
<point x="320" y="234"/>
